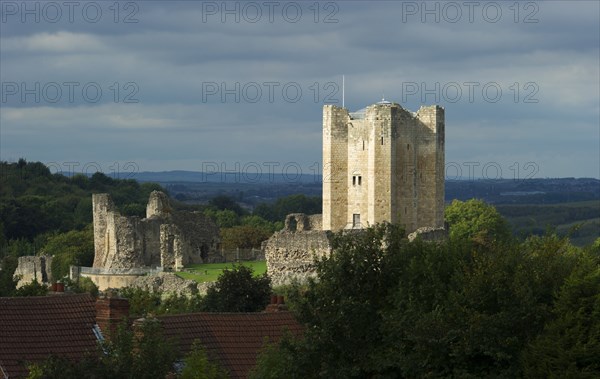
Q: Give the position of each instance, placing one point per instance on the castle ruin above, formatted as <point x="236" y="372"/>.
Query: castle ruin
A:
<point x="165" y="238"/>
<point x="382" y="163"/>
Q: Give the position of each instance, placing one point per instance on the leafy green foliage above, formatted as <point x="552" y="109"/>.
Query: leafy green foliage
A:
<point x="224" y="202"/>
<point x="175" y="304"/>
<point x="70" y="248"/>
<point x="143" y="302"/>
<point x="289" y="204"/>
<point x="197" y="365"/>
<point x="580" y="221"/>
<point x="145" y="355"/>
<point x="56" y="367"/>
<point x="223" y="218"/>
<point x="154" y="356"/>
<point x="237" y="290"/>
<point x="82" y="285"/>
<point x="243" y="236"/>
<point x="240" y="230"/>
<point x="275" y="360"/>
<point x="569" y="346"/>
<point x="8" y="283"/>
<point x="33" y="201"/>
<point x="247" y="231"/>
<point x="34" y="288"/>
<point x="383" y="307"/>
<point x="260" y="223"/>
<point x="476" y="220"/>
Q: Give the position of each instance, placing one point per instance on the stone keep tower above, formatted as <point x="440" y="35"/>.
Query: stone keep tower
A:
<point x="383" y="163"/>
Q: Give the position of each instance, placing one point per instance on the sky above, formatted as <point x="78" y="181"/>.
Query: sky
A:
<point x="124" y="87"/>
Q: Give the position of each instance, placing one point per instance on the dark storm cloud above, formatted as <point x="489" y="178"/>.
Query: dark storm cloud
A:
<point x="168" y="62"/>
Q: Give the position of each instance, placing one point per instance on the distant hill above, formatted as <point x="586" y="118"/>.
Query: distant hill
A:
<point x="31" y="196"/>
<point x="570" y="206"/>
<point x="253" y="176"/>
<point x="500" y="191"/>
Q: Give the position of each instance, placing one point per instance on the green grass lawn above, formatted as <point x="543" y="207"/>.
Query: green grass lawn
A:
<point x="210" y="272"/>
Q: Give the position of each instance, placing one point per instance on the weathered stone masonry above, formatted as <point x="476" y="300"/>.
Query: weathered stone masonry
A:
<point x="166" y="238"/>
<point x="290" y="252"/>
<point x="34" y="268"/>
<point x="380" y="164"/>
<point x="383" y="164"/>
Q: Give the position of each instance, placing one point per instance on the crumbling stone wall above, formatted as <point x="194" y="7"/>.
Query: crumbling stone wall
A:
<point x="301" y="222"/>
<point x="164" y="238"/>
<point x="429" y="234"/>
<point x="168" y="283"/>
<point x="290" y="253"/>
<point x="34" y="267"/>
<point x="158" y="205"/>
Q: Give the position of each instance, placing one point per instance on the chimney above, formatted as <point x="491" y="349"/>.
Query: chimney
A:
<point x="60" y="287"/>
<point x="110" y="312"/>
<point x="277" y="304"/>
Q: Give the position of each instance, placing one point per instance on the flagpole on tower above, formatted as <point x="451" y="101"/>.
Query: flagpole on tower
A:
<point x="343" y="92"/>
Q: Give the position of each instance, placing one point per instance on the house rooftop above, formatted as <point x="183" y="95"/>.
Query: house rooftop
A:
<point x="234" y="339"/>
<point x="31" y="328"/>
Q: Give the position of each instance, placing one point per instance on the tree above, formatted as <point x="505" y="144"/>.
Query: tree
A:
<point x="224" y="202"/>
<point x="290" y="204"/>
<point x="55" y="367"/>
<point x="224" y="219"/>
<point x="259" y="222"/>
<point x="134" y="210"/>
<point x="198" y="366"/>
<point x="243" y="237"/>
<point x="34" y="288"/>
<point x="144" y="355"/>
<point x="383" y="307"/>
<point x="569" y="346"/>
<point x="8" y="283"/>
<point x="141" y="301"/>
<point x="153" y="356"/>
<point x="275" y="360"/>
<point x="70" y="248"/>
<point x="343" y="308"/>
<point x="476" y="220"/>
<point x="238" y="290"/>
<point x="2" y="237"/>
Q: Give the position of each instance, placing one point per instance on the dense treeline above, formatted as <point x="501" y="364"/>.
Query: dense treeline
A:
<point x="34" y="201"/>
<point x="290" y="204"/>
<point x="51" y="214"/>
<point x="480" y="304"/>
<point x="244" y="229"/>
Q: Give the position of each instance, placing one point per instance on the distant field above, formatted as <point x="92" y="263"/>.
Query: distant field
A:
<point x="210" y="272"/>
<point x="563" y="218"/>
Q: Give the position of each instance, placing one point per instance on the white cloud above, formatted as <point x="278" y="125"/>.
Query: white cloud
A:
<point x="59" y="42"/>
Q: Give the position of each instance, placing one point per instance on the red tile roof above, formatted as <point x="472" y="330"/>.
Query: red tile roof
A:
<point x="31" y="328"/>
<point x="234" y="338"/>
